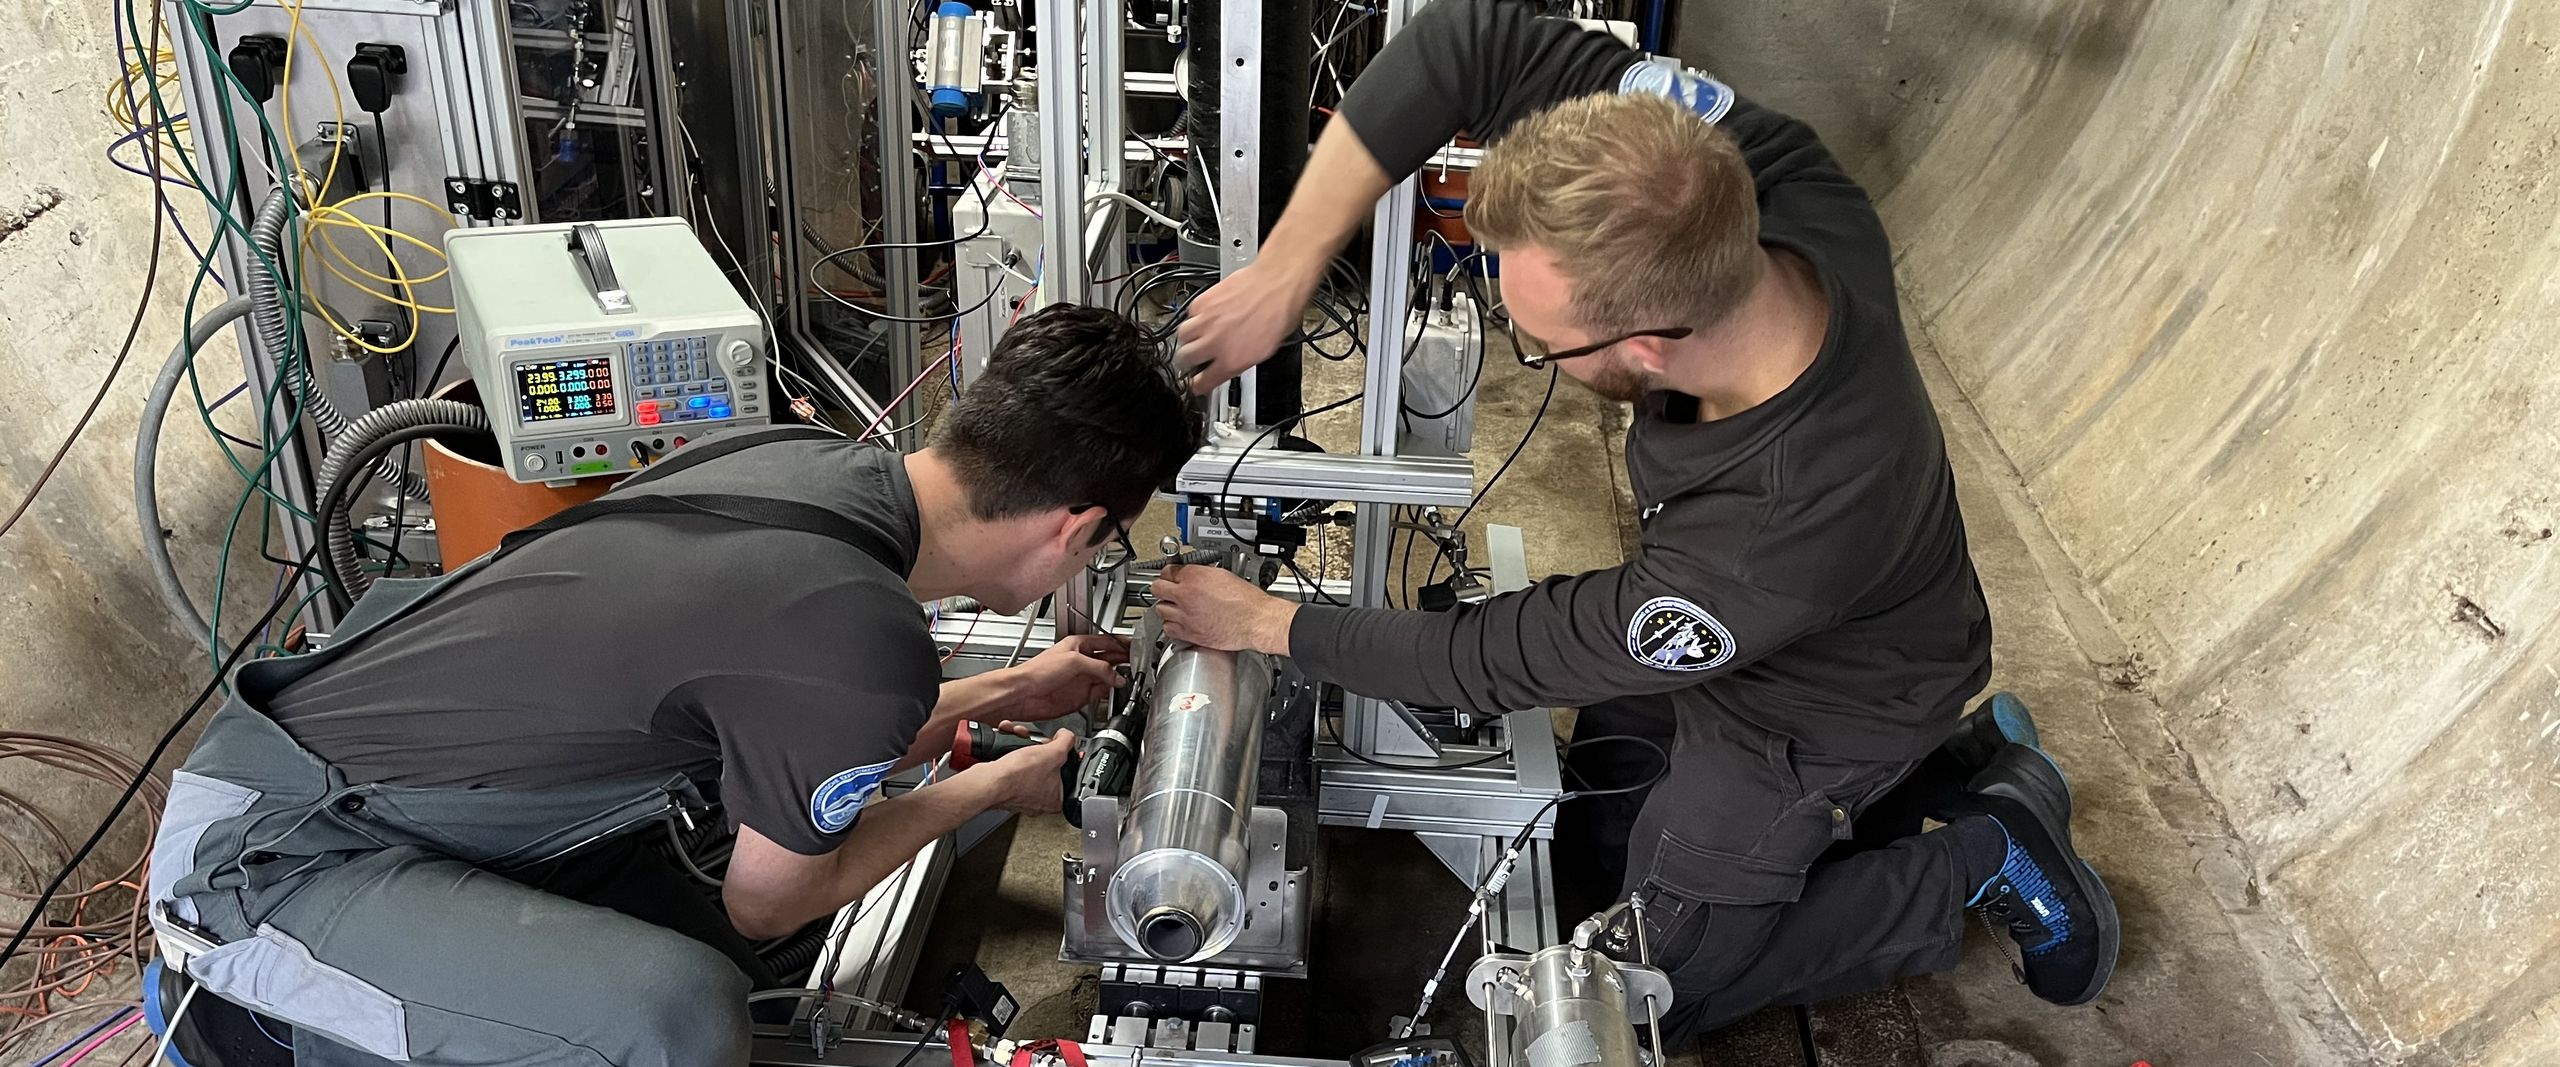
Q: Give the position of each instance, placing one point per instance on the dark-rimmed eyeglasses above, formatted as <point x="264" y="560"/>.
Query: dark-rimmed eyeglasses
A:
<point x="1119" y="534"/>
<point x="1533" y="353"/>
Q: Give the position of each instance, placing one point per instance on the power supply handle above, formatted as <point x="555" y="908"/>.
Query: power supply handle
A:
<point x="586" y="242"/>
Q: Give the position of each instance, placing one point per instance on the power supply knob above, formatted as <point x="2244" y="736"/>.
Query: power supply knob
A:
<point x="533" y="461"/>
<point x="741" y="355"/>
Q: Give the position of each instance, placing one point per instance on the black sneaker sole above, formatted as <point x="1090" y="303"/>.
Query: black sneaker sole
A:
<point x="2035" y="784"/>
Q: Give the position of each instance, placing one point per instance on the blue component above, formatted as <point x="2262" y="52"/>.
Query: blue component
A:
<point x="697" y="402"/>
<point x="721" y="412"/>
<point x="1182" y="522"/>
<point x="946" y="59"/>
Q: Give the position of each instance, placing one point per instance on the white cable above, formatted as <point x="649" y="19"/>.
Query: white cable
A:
<point x="169" y="1030"/>
<point x="1140" y="206"/>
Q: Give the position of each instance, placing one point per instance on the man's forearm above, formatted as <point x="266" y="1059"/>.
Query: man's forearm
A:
<point x="890" y="832"/>
<point x="1341" y="185"/>
<point x="969" y="699"/>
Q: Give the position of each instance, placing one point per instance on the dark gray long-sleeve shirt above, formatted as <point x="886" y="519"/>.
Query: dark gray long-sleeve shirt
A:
<point x="1802" y="563"/>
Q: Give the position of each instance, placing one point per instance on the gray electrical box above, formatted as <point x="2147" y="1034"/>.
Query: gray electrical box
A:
<point x="1441" y="370"/>
<point x="601" y="346"/>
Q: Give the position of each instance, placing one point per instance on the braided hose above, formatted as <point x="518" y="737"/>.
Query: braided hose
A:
<point x="275" y="334"/>
<point x="370" y="441"/>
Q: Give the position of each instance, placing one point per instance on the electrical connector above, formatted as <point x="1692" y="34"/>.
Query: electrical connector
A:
<point x="374" y="73"/>
<point x="257" y="59"/>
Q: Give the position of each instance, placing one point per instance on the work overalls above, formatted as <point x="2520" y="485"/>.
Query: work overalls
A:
<point x="370" y="915"/>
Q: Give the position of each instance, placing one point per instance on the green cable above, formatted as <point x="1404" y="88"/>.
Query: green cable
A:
<point x="297" y="345"/>
<point x="226" y="222"/>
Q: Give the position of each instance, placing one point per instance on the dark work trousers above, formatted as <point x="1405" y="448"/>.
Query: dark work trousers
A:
<point x="634" y="875"/>
<point x="1771" y="875"/>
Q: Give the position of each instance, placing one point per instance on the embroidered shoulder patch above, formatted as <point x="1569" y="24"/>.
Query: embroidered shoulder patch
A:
<point x="1675" y="635"/>
<point x="1688" y="88"/>
<point x="838" y="799"/>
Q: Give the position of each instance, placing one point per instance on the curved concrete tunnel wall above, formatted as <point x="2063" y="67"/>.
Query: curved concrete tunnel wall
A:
<point x="2259" y="298"/>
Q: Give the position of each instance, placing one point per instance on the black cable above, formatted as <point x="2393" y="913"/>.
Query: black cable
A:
<point x="1227" y="485"/>
<point x="1404" y="569"/>
<point x="400" y="501"/>
<point x="1659" y="773"/>
<point x="1498" y="472"/>
<point x="447" y="357"/>
<point x="1313" y="585"/>
<point x="1472" y="383"/>
<point x="1334" y="731"/>
<point x="921" y="1042"/>
<point x="986" y="219"/>
<point x="221" y="672"/>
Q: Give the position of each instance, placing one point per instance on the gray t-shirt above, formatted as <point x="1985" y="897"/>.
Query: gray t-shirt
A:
<point x="783" y="671"/>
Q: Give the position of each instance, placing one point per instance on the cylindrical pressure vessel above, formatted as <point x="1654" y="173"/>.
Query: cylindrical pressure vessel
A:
<point x="1576" y="1011"/>
<point x="1179" y="894"/>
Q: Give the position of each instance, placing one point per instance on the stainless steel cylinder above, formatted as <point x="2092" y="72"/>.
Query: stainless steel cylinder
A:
<point x="1179" y="894"/>
<point x="1575" y="1012"/>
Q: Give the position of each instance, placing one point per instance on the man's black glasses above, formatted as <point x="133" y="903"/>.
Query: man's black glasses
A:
<point x="1534" y="356"/>
<point x="1119" y="533"/>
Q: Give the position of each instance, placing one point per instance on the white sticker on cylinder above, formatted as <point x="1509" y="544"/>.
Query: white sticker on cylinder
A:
<point x="1187" y="702"/>
<point x="1570" y="1045"/>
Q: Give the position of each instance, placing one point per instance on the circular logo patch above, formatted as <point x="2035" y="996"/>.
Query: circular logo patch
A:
<point x="1675" y="635"/>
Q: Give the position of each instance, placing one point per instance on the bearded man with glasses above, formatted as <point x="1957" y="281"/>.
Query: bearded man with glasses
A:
<point x="1802" y="627"/>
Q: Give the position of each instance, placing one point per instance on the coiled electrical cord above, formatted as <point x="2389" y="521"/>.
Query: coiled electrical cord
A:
<point x="275" y="334"/>
<point x="362" y="450"/>
<point x="84" y="935"/>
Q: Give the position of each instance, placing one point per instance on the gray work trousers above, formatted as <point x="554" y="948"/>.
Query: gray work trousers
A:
<point x="371" y="919"/>
<point x="478" y="969"/>
<point x="1756" y="890"/>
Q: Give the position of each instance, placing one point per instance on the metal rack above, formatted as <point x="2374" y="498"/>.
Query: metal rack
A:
<point x="460" y="131"/>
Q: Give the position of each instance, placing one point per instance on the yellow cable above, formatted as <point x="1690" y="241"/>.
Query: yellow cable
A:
<point x="337" y="97"/>
<point x="349" y="334"/>
<point x="328" y="180"/>
<point x="326" y="220"/>
<point x="157" y="76"/>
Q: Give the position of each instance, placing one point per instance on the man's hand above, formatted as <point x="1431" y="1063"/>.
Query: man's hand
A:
<point x="1071" y="674"/>
<point x="1213" y="608"/>
<point x="1025" y="781"/>
<point x="1239" y="322"/>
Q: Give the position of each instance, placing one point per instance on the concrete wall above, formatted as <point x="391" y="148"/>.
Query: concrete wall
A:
<point x="2258" y="296"/>
<point x="85" y="648"/>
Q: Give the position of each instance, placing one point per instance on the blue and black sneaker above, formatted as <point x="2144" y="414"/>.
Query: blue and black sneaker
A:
<point x="2048" y="899"/>
<point x="1994" y="723"/>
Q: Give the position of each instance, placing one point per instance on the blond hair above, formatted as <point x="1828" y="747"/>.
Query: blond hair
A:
<point x="1649" y="211"/>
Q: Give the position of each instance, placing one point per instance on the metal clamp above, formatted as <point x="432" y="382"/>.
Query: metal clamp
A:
<point x="586" y="244"/>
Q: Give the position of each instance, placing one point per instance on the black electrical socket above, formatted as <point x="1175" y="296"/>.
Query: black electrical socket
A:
<point x="373" y="75"/>
<point x="257" y="59"/>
